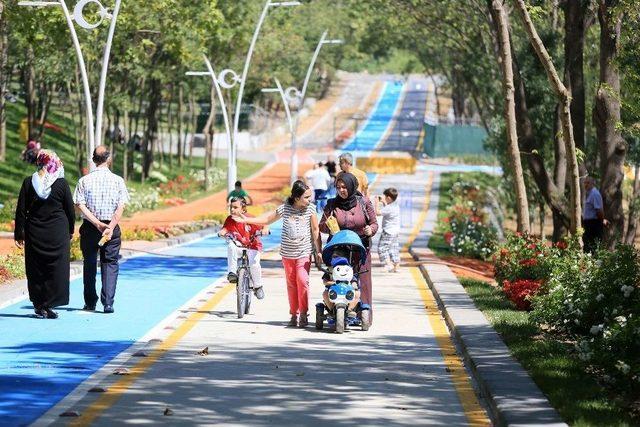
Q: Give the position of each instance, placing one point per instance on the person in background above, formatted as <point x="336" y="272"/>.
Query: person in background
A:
<point x="331" y="166"/>
<point x="593" y="220"/>
<point x="319" y="180"/>
<point x="346" y="165"/>
<point x="44" y="224"/>
<point x="238" y="191"/>
<point x="388" y="248"/>
<point x="101" y="197"/>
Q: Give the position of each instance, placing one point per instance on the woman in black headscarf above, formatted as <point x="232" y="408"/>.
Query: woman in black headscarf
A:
<point x="354" y="212"/>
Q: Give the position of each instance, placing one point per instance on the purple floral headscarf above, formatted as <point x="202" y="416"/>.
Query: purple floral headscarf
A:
<point x="50" y="168"/>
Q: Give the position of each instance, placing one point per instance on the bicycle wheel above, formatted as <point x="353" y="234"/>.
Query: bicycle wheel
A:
<point x="241" y="290"/>
<point x="247" y="292"/>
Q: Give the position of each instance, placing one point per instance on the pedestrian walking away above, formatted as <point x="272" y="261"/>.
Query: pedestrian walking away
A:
<point x="388" y="247"/>
<point x="593" y="220"/>
<point x="346" y="166"/>
<point x="354" y="212"/>
<point x="319" y="180"/>
<point x="101" y="197"/>
<point x="300" y="240"/>
<point x="44" y="224"/>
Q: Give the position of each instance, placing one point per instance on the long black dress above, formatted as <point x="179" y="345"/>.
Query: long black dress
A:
<point x="46" y="226"/>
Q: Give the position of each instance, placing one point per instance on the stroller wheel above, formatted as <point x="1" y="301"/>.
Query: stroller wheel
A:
<point x="319" y="317"/>
<point x="366" y="321"/>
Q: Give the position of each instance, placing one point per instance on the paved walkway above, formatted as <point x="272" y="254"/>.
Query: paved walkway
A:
<point x="403" y="371"/>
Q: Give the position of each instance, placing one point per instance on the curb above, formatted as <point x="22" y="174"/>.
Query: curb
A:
<point x="513" y="399"/>
<point x="16" y="290"/>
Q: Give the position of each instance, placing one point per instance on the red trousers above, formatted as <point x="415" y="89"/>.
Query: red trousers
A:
<point x="297" y="274"/>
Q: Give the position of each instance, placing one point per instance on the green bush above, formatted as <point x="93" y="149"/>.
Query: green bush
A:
<point x="8" y="210"/>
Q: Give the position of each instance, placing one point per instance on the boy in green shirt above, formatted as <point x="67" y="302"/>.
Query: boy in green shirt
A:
<point x="240" y="192"/>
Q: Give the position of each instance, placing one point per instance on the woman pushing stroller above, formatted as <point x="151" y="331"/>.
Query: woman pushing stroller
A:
<point x="350" y="210"/>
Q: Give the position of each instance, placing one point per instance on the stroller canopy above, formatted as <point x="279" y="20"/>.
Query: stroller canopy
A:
<point x="344" y="239"/>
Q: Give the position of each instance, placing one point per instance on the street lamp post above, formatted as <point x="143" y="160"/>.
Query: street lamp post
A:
<point x="94" y="132"/>
<point x="292" y="94"/>
<point x="221" y="81"/>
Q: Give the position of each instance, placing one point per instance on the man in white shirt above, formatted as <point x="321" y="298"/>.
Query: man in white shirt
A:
<point x="319" y="179"/>
<point x="100" y="196"/>
<point x="593" y="220"/>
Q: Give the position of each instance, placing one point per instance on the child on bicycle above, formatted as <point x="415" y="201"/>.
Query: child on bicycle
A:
<point x="245" y="234"/>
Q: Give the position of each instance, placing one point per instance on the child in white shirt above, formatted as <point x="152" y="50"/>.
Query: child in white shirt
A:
<point x="388" y="247"/>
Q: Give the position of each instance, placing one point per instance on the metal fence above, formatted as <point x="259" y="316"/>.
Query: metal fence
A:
<point x="445" y="140"/>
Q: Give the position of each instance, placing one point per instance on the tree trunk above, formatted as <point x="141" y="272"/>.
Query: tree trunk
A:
<point x="194" y="124"/>
<point x="28" y="82"/>
<point x="575" y="26"/>
<point x="125" y="146"/>
<point x="501" y="20"/>
<point x="44" y="105"/>
<point x="564" y="96"/>
<point x="560" y="152"/>
<point x="151" y="132"/>
<point x="606" y="116"/>
<point x="634" y="209"/>
<point x="4" y="81"/>
<point x="179" y="117"/>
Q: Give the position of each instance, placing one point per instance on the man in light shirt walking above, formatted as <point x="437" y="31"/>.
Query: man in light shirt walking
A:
<point x="319" y="179"/>
<point x="100" y="196"/>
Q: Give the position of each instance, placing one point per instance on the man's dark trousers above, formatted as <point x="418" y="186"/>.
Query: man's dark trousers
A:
<point x="109" y="268"/>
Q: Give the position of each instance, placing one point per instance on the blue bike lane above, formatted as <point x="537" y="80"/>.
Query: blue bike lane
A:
<point x="42" y="361"/>
<point x="373" y="131"/>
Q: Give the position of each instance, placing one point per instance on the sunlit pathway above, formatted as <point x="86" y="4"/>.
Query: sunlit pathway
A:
<point x="259" y="372"/>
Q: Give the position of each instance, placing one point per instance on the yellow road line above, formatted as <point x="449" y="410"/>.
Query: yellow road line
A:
<point x="476" y="416"/>
<point x="417" y="227"/>
<point x="113" y="394"/>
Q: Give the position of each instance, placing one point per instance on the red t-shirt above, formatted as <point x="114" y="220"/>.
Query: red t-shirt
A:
<point x="243" y="232"/>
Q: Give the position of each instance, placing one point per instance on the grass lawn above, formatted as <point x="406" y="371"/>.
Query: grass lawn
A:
<point x="553" y="365"/>
<point x="14" y="170"/>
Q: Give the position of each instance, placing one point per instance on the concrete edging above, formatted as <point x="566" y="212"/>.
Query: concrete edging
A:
<point x="513" y="398"/>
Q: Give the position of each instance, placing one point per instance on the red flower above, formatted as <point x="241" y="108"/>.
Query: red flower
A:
<point x="504" y="252"/>
<point x="448" y="236"/>
<point x="520" y="291"/>
<point x="531" y="246"/>
<point x="476" y="218"/>
<point x="446" y="220"/>
<point x="562" y="245"/>
<point x="529" y="262"/>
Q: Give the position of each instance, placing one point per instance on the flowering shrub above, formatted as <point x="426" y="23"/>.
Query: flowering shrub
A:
<point x="8" y="210"/>
<point x="142" y="200"/>
<point x="595" y="302"/>
<point x="214" y="177"/>
<point x="524" y="263"/>
<point x="178" y="186"/>
<point x="12" y="266"/>
<point x="520" y="291"/>
<point x="465" y="227"/>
